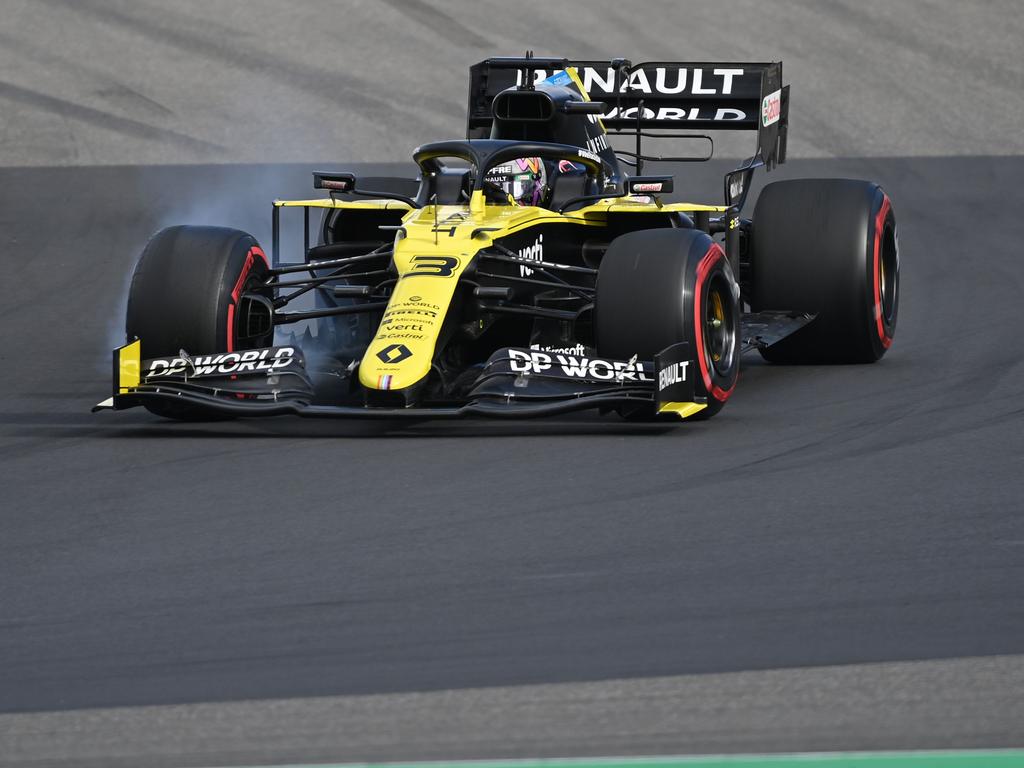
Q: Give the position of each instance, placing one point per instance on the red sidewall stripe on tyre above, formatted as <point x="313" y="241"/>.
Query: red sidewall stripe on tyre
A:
<point x="714" y="253"/>
<point x="236" y="292"/>
<point x="883" y="211"/>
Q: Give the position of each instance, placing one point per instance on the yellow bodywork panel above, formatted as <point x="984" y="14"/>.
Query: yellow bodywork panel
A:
<point x="328" y="202"/>
<point x="129" y="366"/>
<point x="434" y="247"/>
<point x="627" y="205"/>
<point x="685" y="207"/>
<point x="615" y="204"/>
<point x="682" y="410"/>
<point x="437" y="246"/>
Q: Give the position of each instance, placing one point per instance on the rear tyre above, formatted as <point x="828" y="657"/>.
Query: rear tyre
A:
<point x="656" y="288"/>
<point x="188" y="292"/>
<point x="828" y="246"/>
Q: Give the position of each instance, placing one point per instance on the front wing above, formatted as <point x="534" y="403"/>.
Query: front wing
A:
<point x="512" y="383"/>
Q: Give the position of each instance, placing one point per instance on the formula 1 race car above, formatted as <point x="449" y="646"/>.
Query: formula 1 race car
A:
<point x="526" y="273"/>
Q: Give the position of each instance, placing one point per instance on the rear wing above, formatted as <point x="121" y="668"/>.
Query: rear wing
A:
<point x="664" y="95"/>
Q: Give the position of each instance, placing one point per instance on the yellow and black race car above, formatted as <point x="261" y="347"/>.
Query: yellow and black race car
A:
<point x="528" y="273"/>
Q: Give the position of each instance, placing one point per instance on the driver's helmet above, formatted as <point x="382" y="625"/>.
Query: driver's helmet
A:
<point x="524" y="180"/>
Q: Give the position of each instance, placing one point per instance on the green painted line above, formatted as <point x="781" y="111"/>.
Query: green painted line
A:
<point x="995" y="758"/>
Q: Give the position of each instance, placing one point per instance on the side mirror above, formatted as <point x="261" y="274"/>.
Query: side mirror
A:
<point x="336" y="182"/>
<point x="648" y="185"/>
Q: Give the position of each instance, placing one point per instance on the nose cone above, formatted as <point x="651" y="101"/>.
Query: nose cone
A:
<point x="429" y="268"/>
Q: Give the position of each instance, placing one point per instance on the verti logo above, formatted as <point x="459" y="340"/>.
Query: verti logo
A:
<point x="394" y="353"/>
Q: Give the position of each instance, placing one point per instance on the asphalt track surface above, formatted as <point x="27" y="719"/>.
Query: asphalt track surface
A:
<point x="836" y="561"/>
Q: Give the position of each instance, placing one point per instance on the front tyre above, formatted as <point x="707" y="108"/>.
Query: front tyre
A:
<point x="660" y="287"/>
<point x="198" y="289"/>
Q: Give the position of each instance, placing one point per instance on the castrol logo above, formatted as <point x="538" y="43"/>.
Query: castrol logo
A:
<point x="771" y="108"/>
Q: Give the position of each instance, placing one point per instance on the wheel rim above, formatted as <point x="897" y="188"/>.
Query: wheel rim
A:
<point x="719" y="326"/>
<point x="888" y="277"/>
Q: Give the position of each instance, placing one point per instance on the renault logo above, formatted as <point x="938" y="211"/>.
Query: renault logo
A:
<point x="394" y="353"/>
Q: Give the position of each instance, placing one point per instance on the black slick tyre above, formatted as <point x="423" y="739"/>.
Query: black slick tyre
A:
<point x="187" y="293"/>
<point x="827" y="247"/>
<point x="660" y="287"/>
